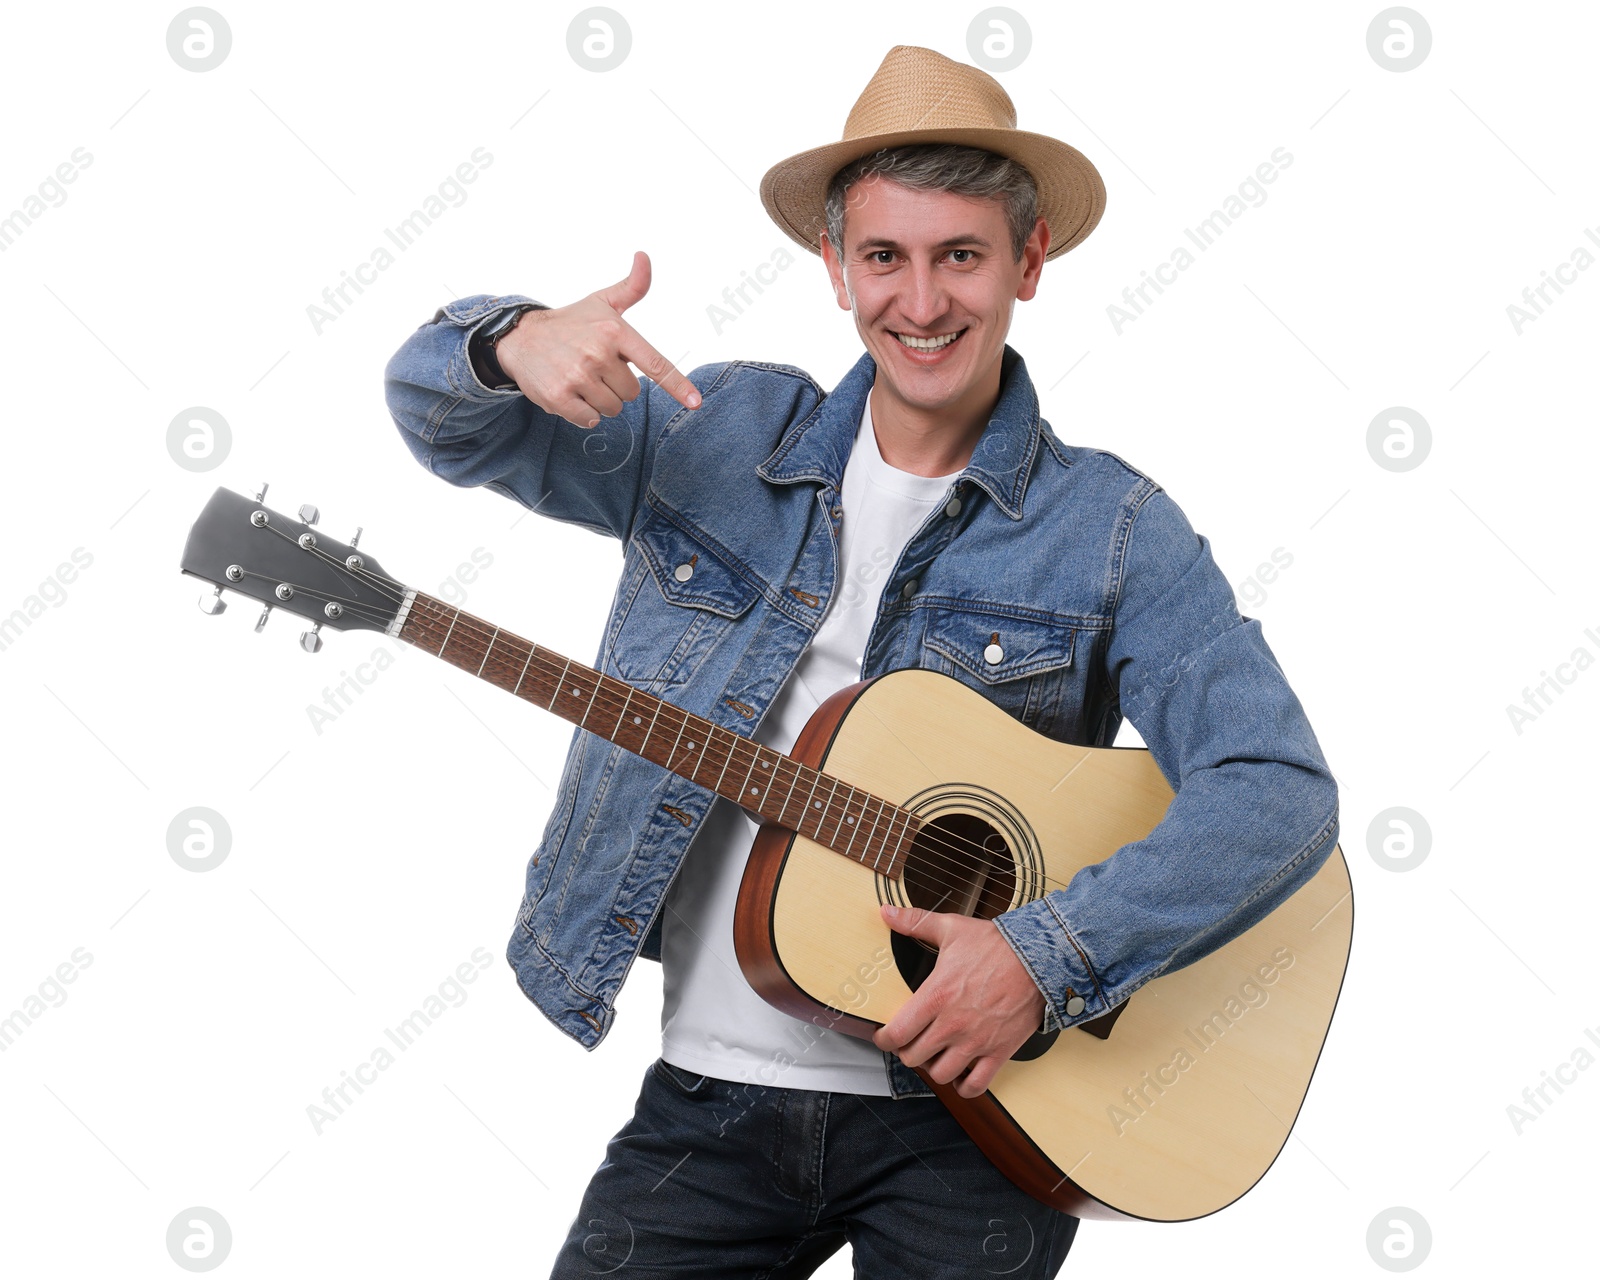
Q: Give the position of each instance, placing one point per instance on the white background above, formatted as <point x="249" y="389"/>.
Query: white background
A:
<point x="370" y="859"/>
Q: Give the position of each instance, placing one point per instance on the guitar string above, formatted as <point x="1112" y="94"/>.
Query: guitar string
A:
<point x="952" y="848"/>
<point x="951" y="851"/>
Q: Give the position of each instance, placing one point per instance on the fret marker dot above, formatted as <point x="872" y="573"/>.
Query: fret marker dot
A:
<point x="816" y="804"/>
<point x="850" y="820"/>
<point x="636" y="719"/>
<point x="688" y="746"/>
<point x="755" y="791"/>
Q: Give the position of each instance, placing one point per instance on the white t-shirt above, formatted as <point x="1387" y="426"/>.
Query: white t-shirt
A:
<point x="712" y="1021"/>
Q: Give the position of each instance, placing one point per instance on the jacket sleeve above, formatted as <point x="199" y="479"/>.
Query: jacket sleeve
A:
<point x="470" y="435"/>
<point x="1255" y="811"/>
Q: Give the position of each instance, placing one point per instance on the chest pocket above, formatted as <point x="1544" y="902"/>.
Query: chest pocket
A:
<point x="1025" y="666"/>
<point x="680" y="598"/>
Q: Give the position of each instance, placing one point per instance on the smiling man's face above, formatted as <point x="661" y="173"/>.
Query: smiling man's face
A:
<point x="925" y="265"/>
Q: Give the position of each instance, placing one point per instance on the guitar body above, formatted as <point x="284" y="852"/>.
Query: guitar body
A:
<point x="1171" y="1112"/>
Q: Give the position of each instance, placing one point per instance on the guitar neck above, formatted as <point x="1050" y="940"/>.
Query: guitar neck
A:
<point x="769" y="784"/>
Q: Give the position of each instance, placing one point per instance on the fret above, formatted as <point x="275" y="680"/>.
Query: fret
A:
<point x="651" y="729"/>
<point x="565" y="667"/>
<point x="684" y="724"/>
<point x="827" y="808"/>
<point x="487" y="652"/>
<point x="874" y="832"/>
<point x="745" y="785"/>
<point x="855" y="826"/>
<point x="896" y="849"/>
<point x="448" y="630"/>
<point x="515" y="688"/>
<point x="621" y="715"/>
<point x="789" y="795"/>
<point x="772" y="776"/>
<point x="694" y="770"/>
<point x="583" y="719"/>
<point x="717" y="785"/>
<point x="810" y="795"/>
<point x="892" y="842"/>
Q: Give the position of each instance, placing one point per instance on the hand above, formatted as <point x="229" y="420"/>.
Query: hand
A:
<point x="573" y="361"/>
<point x="973" y="1011"/>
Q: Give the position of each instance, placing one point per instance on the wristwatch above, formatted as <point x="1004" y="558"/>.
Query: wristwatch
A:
<point x="481" y="346"/>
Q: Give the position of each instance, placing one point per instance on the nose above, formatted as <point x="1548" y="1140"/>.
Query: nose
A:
<point x="923" y="298"/>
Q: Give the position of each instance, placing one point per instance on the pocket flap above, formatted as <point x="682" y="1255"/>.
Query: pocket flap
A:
<point x="690" y="573"/>
<point x="996" y="648"/>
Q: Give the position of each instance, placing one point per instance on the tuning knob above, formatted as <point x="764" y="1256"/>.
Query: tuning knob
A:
<point x="262" y="620"/>
<point x="310" y="641"/>
<point x="213" y="603"/>
<point x="309" y="514"/>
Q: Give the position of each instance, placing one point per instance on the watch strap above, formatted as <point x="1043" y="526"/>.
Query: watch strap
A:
<point x="481" y="345"/>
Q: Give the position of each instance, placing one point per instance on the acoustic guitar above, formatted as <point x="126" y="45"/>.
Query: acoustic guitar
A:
<point x="913" y="788"/>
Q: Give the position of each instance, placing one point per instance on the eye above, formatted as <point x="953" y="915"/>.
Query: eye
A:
<point x="967" y="251"/>
<point x="877" y="252"/>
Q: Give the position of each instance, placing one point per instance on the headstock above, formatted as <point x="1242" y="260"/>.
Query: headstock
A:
<point x="242" y="545"/>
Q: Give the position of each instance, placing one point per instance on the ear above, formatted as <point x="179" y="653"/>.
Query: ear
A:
<point x="1038" y="244"/>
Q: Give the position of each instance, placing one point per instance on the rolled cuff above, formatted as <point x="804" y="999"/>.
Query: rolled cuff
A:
<point x="1058" y="966"/>
<point x="469" y="315"/>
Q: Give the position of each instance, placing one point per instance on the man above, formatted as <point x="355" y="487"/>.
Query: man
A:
<point x="781" y="543"/>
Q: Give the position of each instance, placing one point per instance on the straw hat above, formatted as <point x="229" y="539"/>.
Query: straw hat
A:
<point x="917" y="96"/>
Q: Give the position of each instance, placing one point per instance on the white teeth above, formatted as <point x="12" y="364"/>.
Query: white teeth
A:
<point x="930" y="344"/>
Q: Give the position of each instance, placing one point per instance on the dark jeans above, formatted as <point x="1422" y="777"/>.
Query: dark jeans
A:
<point x="712" y="1178"/>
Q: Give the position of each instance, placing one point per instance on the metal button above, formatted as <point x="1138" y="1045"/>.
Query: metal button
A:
<point x="909" y="590"/>
<point x="953" y="507"/>
<point x="682" y="572"/>
<point x="1074" y="1006"/>
<point x="993" y="653"/>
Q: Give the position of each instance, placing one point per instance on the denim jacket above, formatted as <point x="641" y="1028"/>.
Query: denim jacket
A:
<point x="1107" y="602"/>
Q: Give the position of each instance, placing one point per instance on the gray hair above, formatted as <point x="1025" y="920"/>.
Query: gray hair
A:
<point x="943" y="166"/>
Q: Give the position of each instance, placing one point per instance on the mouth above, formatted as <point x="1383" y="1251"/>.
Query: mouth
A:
<point x="928" y="350"/>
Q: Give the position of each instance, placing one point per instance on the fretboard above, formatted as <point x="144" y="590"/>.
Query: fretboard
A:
<point x="770" y="785"/>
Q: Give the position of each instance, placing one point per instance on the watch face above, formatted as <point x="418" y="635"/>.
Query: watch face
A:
<point x="507" y="322"/>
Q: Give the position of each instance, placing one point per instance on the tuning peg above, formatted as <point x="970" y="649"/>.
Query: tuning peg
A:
<point x="310" y="641"/>
<point x="262" y="620"/>
<point x="213" y="603"/>
<point x="309" y="514"/>
<point x="355" y="541"/>
<point x="262" y="496"/>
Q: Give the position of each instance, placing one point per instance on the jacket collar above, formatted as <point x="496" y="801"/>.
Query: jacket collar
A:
<point x="1001" y="460"/>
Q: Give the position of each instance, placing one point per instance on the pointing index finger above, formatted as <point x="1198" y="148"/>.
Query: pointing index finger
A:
<point x="658" y="368"/>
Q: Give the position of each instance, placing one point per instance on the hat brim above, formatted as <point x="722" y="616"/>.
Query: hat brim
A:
<point x="1072" y="195"/>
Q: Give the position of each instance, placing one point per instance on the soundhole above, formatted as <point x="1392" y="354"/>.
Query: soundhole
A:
<point x="960" y="863"/>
